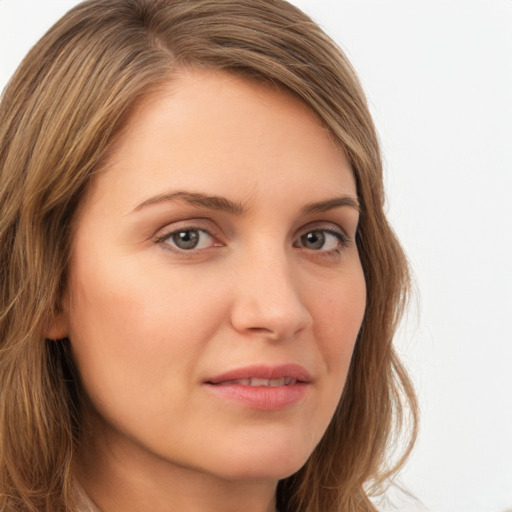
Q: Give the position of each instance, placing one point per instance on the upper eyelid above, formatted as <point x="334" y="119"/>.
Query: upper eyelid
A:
<point x="168" y="233"/>
<point x="343" y="239"/>
<point x="210" y="227"/>
<point x="201" y="224"/>
<point x="163" y="240"/>
<point x="328" y="226"/>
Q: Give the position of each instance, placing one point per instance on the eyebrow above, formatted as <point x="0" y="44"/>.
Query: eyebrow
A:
<point x="226" y="205"/>
<point x="330" y="204"/>
<point x="197" y="199"/>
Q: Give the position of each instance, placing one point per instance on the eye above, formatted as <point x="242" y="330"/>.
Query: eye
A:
<point x="188" y="239"/>
<point x="322" y="240"/>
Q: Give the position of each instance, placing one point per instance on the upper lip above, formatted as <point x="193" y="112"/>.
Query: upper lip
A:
<point x="292" y="371"/>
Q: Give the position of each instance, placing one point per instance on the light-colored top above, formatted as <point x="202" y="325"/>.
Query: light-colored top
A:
<point x="85" y="503"/>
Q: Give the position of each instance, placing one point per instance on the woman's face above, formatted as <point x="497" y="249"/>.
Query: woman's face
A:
<point x="215" y="291"/>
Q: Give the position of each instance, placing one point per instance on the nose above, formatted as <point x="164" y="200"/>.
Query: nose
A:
<point x="268" y="301"/>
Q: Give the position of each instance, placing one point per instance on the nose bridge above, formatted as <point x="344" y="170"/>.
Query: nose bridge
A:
<point x="268" y="299"/>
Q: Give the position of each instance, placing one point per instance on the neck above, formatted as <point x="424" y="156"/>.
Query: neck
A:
<point x="116" y="476"/>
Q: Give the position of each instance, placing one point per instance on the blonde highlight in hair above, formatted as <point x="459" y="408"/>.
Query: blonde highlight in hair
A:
<point x="60" y="115"/>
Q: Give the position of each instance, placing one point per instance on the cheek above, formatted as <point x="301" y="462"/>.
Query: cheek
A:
<point x="135" y="330"/>
<point x="339" y="314"/>
<point x="132" y="299"/>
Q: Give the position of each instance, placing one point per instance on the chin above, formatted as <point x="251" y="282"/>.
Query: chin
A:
<point x="265" y="465"/>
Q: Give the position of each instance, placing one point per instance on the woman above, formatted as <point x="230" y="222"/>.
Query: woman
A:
<point x="199" y="285"/>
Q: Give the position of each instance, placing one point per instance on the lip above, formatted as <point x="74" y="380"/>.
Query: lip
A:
<point x="293" y="371"/>
<point x="261" y="397"/>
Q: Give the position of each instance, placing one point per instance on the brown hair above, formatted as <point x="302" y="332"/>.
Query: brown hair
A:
<point x="58" y="117"/>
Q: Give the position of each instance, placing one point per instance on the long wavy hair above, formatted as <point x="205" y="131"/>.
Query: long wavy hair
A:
<point x="60" y="114"/>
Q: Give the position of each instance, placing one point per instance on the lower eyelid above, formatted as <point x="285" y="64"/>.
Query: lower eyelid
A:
<point x="166" y="237"/>
<point x="342" y="238"/>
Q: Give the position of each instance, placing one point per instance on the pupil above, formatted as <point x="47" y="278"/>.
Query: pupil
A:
<point x="314" y="240"/>
<point x="186" y="239"/>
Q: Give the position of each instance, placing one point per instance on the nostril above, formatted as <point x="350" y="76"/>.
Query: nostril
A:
<point x="269" y="304"/>
<point x="266" y="333"/>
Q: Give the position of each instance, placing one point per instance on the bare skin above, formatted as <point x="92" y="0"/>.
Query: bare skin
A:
<point x="219" y="238"/>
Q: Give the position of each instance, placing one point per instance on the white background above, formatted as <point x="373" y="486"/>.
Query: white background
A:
<point x="438" y="75"/>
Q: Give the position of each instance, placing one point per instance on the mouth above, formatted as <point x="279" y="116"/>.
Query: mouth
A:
<point x="258" y="382"/>
<point x="263" y="375"/>
<point x="263" y="388"/>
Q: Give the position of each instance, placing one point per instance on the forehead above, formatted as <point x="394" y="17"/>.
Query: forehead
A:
<point x="220" y="132"/>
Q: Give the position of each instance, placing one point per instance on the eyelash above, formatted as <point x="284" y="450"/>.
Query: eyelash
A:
<point x="343" y="241"/>
<point x="341" y="238"/>
<point x="164" y="240"/>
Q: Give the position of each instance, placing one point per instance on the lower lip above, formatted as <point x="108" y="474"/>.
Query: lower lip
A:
<point x="263" y="398"/>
